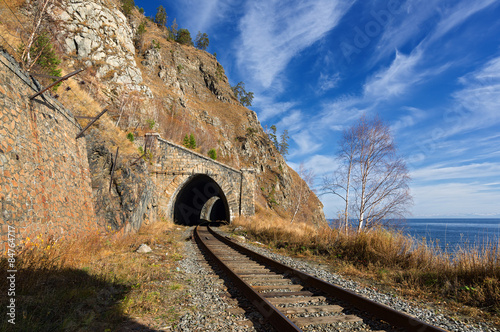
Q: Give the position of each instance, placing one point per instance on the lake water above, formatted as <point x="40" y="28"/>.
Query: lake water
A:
<point x="449" y="233"/>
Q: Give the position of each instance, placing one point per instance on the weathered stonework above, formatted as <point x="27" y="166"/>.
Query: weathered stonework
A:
<point x="45" y="186"/>
<point x="176" y="166"/>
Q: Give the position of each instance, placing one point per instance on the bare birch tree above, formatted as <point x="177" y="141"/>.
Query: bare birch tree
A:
<point x="377" y="176"/>
<point x="340" y="183"/>
<point x="39" y="16"/>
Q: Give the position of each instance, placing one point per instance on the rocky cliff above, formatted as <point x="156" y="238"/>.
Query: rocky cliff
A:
<point x="151" y="83"/>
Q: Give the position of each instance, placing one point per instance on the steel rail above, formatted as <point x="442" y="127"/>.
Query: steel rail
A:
<point x="270" y="312"/>
<point x="381" y="311"/>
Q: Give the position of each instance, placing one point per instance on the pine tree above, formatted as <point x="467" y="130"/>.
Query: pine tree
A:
<point x="283" y="146"/>
<point x="184" y="37"/>
<point x="273" y="137"/>
<point x="244" y="97"/>
<point x="127" y="6"/>
<point x="173" y="30"/>
<point x="202" y="41"/>
<point x="192" y="142"/>
<point x="161" y="16"/>
<point x="186" y="141"/>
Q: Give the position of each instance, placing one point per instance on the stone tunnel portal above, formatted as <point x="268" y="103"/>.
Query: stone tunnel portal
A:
<point x="200" y="198"/>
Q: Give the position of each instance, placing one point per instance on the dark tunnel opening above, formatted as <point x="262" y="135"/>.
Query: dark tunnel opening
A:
<point x="195" y="197"/>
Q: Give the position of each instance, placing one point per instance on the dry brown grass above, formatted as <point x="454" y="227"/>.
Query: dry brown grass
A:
<point x="470" y="277"/>
<point x="12" y="25"/>
<point x="82" y="103"/>
<point x="98" y="281"/>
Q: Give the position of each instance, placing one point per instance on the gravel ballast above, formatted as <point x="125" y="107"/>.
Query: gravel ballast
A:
<point x="217" y="305"/>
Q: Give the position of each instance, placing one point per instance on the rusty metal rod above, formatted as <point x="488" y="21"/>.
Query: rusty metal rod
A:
<point x="45" y="76"/>
<point x="56" y="82"/>
<point x="83" y="117"/>
<point x="80" y="134"/>
<point x="113" y="168"/>
<point x="137" y="159"/>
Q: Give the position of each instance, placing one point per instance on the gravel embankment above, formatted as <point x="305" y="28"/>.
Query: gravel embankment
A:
<point x="214" y="300"/>
<point x="217" y="309"/>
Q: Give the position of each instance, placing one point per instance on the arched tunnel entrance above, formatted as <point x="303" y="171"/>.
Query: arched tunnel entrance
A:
<point x="200" y="198"/>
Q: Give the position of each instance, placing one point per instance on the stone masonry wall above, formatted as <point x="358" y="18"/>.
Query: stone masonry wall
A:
<point x="175" y="164"/>
<point x="45" y="186"/>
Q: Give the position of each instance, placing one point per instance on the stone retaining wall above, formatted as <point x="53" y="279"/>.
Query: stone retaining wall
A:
<point x="45" y="186"/>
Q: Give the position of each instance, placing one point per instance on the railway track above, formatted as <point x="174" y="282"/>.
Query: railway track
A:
<point x="290" y="299"/>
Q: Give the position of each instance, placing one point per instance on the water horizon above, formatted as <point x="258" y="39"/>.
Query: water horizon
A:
<point x="450" y="233"/>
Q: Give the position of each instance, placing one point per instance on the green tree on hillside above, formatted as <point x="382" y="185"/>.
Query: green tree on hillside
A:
<point x="44" y="57"/>
<point x="184" y="37"/>
<point x="212" y="153"/>
<point x="161" y="16"/>
<point x="244" y="97"/>
<point x="202" y="41"/>
<point x="280" y="144"/>
<point x="192" y="142"/>
<point x="139" y="35"/>
<point x="189" y="141"/>
<point x="173" y="30"/>
<point x="272" y="136"/>
<point x="283" y="145"/>
<point x="127" y="6"/>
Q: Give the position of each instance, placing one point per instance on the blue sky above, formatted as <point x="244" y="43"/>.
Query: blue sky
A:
<point x="430" y="69"/>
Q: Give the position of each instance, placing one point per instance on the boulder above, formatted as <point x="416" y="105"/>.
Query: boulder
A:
<point x="144" y="249"/>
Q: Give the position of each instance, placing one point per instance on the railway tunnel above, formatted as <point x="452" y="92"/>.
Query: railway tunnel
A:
<point x="200" y="198"/>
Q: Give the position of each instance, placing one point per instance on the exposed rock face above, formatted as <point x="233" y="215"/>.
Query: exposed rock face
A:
<point x="187" y="72"/>
<point x="126" y="205"/>
<point x="194" y="92"/>
<point x="196" y="83"/>
<point x="98" y="33"/>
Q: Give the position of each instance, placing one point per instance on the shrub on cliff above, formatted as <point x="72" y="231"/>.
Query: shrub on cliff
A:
<point x="139" y="36"/>
<point x="127" y="6"/>
<point x="184" y="37"/>
<point x="212" y="153"/>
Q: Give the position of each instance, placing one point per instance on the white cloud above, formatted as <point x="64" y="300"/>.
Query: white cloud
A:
<point x="306" y="143"/>
<point x="340" y="113"/>
<point x="322" y="164"/>
<point x="477" y="103"/>
<point x="396" y="79"/>
<point x="458" y="15"/>
<point x="452" y="199"/>
<point x="401" y="28"/>
<point x="269" y="109"/>
<point x="413" y="116"/>
<point x="273" y="32"/>
<point x="292" y="122"/>
<point x="327" y="82"/>
<point x="440" y="172"/>
<point x="201" y="15"/>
